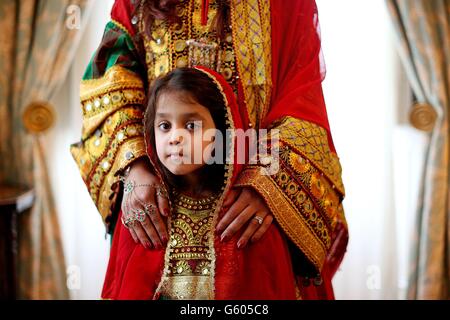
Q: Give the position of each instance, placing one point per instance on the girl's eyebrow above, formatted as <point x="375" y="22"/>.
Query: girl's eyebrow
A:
<point x="184" y="115"/>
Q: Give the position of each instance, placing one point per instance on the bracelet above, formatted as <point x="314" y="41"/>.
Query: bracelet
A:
<point x="131" y="185"/>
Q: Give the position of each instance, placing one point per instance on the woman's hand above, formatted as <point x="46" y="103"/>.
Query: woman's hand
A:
<point x="248" y="206"/>
<point x="144" y="204"/>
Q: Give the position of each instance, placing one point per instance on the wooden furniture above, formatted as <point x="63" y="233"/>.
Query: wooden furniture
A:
<point x="13" y="201"/>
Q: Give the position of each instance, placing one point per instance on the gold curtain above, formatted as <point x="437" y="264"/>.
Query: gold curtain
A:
<point x="423" y="29"/>
<point x="38" y="41"/>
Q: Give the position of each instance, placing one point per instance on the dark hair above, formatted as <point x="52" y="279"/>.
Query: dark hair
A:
<point x="167" y="10"/>
<point x="194" y="85"/>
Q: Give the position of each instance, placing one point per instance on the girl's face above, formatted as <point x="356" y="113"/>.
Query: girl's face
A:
<point x="179" y="126"/>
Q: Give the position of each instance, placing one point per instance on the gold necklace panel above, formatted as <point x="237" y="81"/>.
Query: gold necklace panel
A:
<point x="190" y="231"/>
<point x="170" y="46"/>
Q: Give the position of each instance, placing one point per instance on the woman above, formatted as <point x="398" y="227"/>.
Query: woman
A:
<point x="270" y="54"/>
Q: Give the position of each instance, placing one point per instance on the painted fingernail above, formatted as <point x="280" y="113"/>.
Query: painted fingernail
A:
<point x="240" y="244"/>
<point x="166" y="212"/>
<point x="224" y="238"/>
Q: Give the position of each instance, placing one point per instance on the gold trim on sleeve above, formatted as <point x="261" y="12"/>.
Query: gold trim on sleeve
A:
<point x="102" y="97"/>
<point x="137" y="148"/>
<point x="285" y="213"/>
<point x="251" y="33"/>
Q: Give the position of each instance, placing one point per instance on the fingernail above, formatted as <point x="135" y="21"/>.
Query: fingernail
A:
<point x="224" y="238"/>
<point x="166" y="212"/>
<point x="240" y="244"/>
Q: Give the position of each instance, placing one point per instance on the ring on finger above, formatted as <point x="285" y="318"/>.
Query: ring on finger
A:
<point x="150" y="208"/>
<point x="128" y="222"/>
<point x="161" y="192"/>
<point x="259" y="219"/>
<point x="139" y="215"/>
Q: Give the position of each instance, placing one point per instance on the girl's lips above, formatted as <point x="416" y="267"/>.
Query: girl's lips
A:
<point x="175" y="154"/>
<point x="176" y="157"/>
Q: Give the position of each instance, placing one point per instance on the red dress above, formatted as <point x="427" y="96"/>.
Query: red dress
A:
<point x="259" y="271"/>
<point x="262" y="270"/>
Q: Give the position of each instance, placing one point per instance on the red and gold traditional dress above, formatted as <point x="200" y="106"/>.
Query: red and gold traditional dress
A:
<point x="271" y="59"/>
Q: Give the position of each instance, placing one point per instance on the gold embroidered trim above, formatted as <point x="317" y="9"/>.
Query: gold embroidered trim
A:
<point x="100" y="98"/>
<point x="266" y="29"/>
<point x="115" y="78"/>
<point x="287" y="216"/>
<point x="168" y="49"/>
<point x="190" y="258"/>
<point x="253" y="55"/>
<point x="311" y="141"/>
<point x="121" y="27"/>
<point x="137" y="147"/>
<point x="101" y="154"/>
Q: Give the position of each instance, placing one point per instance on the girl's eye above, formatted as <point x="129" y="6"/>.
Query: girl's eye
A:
<point x="164" y="126"/>
<point x="192" y="125"/>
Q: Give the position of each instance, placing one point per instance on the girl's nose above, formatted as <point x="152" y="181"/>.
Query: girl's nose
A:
<point x="176" y="139"/>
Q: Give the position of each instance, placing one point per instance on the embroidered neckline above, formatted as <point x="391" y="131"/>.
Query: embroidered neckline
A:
<point x="191" y="203"/>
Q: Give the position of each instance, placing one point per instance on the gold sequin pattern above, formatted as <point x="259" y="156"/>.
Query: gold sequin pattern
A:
<point x="189" y="245"/>
<point x="105" y="152"/>
<point x="168" y="50"/>
<point x="304" y="193"/>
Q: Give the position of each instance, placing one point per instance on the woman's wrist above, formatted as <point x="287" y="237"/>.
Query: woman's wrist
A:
<point x="139" y="163"/>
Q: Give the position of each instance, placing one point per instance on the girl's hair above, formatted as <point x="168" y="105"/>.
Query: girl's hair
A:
<point x="166" y="10"/>
<point x="192" y="85"/>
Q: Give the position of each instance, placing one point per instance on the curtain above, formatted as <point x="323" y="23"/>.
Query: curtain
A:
<point x="38" y="38"/>
<point x="423" y="29"/>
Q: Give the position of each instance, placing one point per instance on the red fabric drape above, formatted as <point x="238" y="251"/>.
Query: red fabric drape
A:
<point x="298" y="68"/>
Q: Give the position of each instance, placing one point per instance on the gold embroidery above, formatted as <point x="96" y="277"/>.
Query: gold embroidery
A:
<point x="116" y="78"/>
<point x="286" y="214"/>
<point x="311" y="141"/>
<point x="168" y="49"/>
<point x="306" y="191"/>
<point x="251" y="26"/>
<point x="121" y="27"/>
<point x="190" y="251"/>
<point x="102" y="97"/>
<point x="104" y="153"/>
<point x="137" y="147"/>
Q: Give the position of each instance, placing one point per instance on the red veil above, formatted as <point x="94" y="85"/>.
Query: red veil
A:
<point x="298" y="68"/>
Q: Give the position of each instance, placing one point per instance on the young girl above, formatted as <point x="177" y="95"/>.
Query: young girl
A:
<point x="183" y="106"/>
